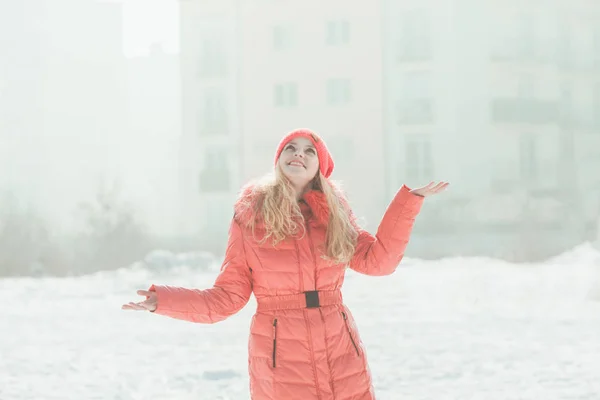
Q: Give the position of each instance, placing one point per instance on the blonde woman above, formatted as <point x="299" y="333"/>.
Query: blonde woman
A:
<point x="290" y="241"/>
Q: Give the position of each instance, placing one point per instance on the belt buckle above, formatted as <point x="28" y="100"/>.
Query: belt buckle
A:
<point x="312" y="299"/>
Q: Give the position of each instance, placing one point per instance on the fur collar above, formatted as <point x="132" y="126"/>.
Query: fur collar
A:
<point x="313" y="206"/>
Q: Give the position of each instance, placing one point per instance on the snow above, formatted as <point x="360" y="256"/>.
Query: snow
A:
<point x="460" y="328"/>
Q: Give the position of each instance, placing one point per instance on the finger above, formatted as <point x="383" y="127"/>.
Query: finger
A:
<point x="144" y="293"/>
<point x="439" y="187"/>
<point x="136" y="306"/>
<point x="131" y="308"/>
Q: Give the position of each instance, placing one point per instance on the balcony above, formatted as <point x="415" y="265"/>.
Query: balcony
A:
<point x="524" y="111"/>
<point x="413" y="53"/>
<point x="215" y="181"/>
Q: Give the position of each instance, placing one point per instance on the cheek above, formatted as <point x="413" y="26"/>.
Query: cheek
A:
<point x="282" y="160"/>
<point x="314" y="165"/>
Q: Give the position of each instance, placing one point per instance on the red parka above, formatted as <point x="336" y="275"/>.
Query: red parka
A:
<point x="303" y="341"/>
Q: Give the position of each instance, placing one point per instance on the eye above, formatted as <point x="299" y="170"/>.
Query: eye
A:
<point x="290" y="147"/>
<point x="312" y="151"/>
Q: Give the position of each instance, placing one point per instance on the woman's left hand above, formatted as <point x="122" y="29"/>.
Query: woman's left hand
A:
<point x="430" y="189"/>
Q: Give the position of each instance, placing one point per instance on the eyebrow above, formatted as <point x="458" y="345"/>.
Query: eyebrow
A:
<point x="309" y="145"/>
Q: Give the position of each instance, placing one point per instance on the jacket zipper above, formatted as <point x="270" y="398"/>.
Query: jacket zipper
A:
<point x="350" y="333"/>
<point x="274" y="341"/>
<point x="310" y="344"/>
<point x="312" y="252"/>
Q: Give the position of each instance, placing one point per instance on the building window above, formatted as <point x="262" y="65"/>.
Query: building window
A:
<point x="286" y="94"/>
<point x="564" y="51"/>
<point x="517" y="35"/>
<point x="525" y="36"/>
<point x="415" y="42"/>
<point x="528" y="157"/>
<point x="526" y="86"/>
<point x="338" y="91"/>
<point x="419" y="160"/>
<point x="567" y="114"/>
<point x="216" y="173"/>
<point x="282" y="38"/>
<point x="502" y="36"/>
<point x="596" y="47"/>
<point x="596" y="107"/>
<point x="415" y="105"/>
<point x="524" y="111"/>
<point x="213" y="116"/>
<point x="338" y="32"/>
<point x="212" y="57"/>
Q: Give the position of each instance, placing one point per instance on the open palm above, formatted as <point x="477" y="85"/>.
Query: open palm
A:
<point x="430" y="189"/>
<point x="147" y="305"/>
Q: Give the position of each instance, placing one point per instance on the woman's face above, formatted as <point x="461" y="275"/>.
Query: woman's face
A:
<point x="299" y="161"/>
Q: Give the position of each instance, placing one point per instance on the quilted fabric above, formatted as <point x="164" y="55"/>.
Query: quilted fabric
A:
<point x="298" y="353"/>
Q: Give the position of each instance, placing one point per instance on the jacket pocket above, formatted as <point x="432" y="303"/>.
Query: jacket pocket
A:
<point x="350" y="333"/>
<point x="274" y="356"/>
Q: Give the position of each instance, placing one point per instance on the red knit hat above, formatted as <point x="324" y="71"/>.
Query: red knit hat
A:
<point x="325" y="160"/>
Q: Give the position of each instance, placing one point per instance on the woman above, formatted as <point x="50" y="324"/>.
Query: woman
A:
<point x="290" y="241"/>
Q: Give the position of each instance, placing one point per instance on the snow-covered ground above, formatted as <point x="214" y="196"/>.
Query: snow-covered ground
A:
<point x="450" y="329"/>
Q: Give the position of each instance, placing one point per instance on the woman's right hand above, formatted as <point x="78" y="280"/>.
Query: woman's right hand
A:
<point x="147" y="305"/>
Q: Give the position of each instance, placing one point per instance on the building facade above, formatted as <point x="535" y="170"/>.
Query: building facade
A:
<point x="500" y="98"/>
<point x="210" y="152"/>
<point x="250" y="76"/>
<point x="317" y="65"/>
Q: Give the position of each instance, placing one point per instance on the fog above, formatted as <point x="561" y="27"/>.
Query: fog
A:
<point x="128" y="126"/>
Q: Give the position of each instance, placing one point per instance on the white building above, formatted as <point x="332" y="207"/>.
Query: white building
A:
<point x="252" y="74"/>
<point x="499" y="98"/>
<point x="210" y="168"/>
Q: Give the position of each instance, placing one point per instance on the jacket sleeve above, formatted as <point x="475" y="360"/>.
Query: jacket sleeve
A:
<point x="229" y="294"/>
<point x="380" y="254"/>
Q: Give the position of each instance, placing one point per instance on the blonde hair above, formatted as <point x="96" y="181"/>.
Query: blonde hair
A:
<point x="280" y="213"/>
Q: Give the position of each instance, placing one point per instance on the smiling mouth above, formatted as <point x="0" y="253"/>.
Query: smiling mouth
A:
<point x="297" y="164"/>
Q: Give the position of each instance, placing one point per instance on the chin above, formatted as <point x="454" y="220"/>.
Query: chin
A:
<point x="297" y="179"/>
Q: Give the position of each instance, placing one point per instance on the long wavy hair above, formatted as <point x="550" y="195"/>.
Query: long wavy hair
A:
<point x="281" y="217"/>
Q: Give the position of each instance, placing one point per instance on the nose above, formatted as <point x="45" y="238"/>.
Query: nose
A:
<point x="299" y="153"/>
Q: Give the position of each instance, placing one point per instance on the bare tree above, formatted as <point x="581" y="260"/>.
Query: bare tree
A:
<point x="113" y="237"/>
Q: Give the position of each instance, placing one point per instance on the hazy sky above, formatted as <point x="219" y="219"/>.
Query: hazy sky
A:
<point x="43" y="175"/>
<point x="147" y="22"/>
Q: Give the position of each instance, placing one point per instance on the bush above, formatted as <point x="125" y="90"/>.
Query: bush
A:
<point x="112" y="236"/>
<point x="27" y="246"/>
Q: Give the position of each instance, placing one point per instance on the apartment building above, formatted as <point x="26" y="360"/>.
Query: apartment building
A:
<point x="543" y="77"/>
<point x="318" y="65"/>
<point x="252" y="71"/>
<point x="500" y="98"/>
<point x="210" y="153"/>
<point x="485" y="94"/>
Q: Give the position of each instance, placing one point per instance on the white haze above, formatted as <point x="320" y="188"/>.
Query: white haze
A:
<point x="93" y="95"/>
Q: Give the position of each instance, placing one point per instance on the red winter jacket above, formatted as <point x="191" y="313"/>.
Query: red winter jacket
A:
<point x="295" y="351"/>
